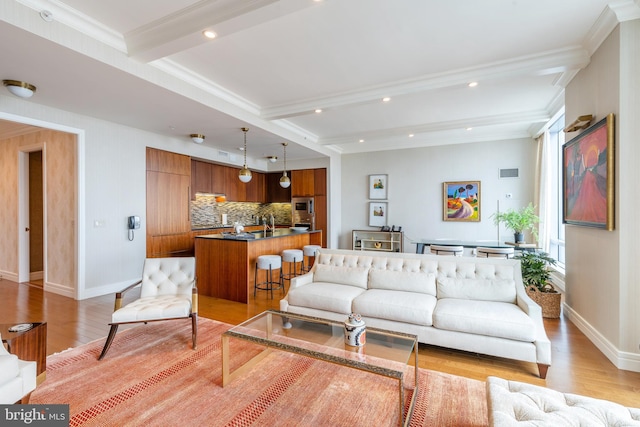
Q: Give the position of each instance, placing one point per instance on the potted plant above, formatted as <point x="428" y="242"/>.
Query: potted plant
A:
<point x="519" y="221"/>
<point x="535" y="276"/>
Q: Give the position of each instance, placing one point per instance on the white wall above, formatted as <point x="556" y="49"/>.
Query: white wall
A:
<point x="602" y="279"/>
<point x="415" y="186"/>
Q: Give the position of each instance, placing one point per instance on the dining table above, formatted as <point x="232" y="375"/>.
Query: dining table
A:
<point x="421" y="244"/>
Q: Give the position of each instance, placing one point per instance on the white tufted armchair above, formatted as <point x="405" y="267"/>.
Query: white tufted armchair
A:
<point x="17" y="378"/>
<point x="167" y="291"/>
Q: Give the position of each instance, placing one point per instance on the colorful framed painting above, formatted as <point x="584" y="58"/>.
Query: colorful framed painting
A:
<point x="588" y="177"/>
<point x="461" y="201"/>
<point x="378" y="214"/>
<point x="378" y="185"/>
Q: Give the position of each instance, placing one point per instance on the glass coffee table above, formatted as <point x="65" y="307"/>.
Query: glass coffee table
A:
<point x="385" y="353"/>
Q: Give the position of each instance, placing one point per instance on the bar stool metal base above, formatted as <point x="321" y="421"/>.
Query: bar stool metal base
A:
<point x="268" y="263"/>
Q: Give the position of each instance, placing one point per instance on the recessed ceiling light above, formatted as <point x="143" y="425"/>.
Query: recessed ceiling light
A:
<point x="361" y="140"/>
<point x="318" y="110"/>
<point x="469" y="128"/>
<point x="209" y="34"/>
<point x="410" y="135"/>
<point x="386" y="99"/>
<point x="473" y="84"/>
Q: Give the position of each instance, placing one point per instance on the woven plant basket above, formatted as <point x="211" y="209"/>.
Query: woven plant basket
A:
<point x="548" y="301"/>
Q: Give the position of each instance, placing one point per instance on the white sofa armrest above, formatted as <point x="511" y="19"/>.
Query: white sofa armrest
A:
<point x="533" y="310"/>
<point x="301" y="280"/>
<point x="296" y="282"/>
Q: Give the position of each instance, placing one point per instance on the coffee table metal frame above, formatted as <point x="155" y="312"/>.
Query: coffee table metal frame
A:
<point x="274" y="337"/>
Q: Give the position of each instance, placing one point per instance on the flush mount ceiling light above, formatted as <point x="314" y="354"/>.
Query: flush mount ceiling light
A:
<point x="18" y="88"/>
<point x="209" y="34"/>
<point x="198" y="138"/>
<point x="273" y="159"/>
<point x="245" y="174"/>
<point x="285" y="182"/>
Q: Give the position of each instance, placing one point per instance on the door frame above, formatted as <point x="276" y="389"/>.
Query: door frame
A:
<point x="80" y="246"/>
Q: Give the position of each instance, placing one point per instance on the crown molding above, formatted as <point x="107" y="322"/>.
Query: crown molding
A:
<point x="611" y="16"/>
<point x="72" y="18"/>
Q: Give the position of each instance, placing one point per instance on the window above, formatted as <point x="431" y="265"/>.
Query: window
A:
<point x="556" y="227"/>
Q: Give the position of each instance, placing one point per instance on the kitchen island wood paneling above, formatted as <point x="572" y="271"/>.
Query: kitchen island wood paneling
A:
<point x="225" y="266"/>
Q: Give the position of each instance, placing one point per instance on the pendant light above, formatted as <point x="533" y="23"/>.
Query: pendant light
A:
<point x="245" y="174"/>
<point x="285" y="182"/>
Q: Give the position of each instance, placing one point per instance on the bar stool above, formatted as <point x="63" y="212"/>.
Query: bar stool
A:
<point x="268" y="263"/>
<point x="309" y="251"/>
<point x="291" y="256"/>
<point x="447" y="250"/>
<point x="495" y="252"/>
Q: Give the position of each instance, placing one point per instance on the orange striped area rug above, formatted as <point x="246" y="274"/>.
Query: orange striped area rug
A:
<point x="152" y="377"/>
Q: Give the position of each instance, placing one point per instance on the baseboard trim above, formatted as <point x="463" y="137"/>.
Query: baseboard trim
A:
<point x="621" y="359"/>
<point x="9" y="276"/>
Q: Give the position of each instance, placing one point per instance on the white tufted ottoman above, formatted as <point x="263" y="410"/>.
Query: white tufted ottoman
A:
<point x="513" y="403"/>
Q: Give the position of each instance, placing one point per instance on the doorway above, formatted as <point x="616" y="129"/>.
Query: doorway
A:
<point x="31" y="222"/>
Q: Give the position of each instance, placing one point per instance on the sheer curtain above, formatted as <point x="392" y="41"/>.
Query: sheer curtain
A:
<point x="543" y="190"/>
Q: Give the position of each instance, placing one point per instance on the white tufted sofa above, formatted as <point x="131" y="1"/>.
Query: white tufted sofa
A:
<point x="513" y="403"/>
<point x="470" y="304"/>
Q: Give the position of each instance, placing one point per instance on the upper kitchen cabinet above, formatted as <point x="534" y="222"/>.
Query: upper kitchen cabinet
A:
<point x="275" y="193"/>
<point x="167" y="162"/>
<point x="308" y="182"/>
<point x="201" y="178"/>
<point x="320" y="182"/>
<point x="302" y="183"/>
<point x="254" y="190"/>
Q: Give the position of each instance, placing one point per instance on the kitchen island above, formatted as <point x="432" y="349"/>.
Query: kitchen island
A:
<point x="225" y="263"/>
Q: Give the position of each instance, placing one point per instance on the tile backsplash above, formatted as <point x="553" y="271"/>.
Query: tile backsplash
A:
<point x="207" y="213"/>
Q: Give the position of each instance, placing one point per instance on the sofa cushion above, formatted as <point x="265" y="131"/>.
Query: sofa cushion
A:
<point x="500" y="290"/>
<point x="490" y="318"/>
<point x="325" y="296"/>
<point x="409" y="281"/>
<point x="407" y="307"/>
<point x="345" y="275"/>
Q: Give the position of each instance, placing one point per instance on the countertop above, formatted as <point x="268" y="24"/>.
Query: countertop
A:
<point x="255" y="235"/>
<point x="230" y="226"/>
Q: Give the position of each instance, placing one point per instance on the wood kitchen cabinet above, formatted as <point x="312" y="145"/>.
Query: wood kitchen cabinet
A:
<point x="168" y="194"/>
<point x="320" y="182"/>
<point x="302" y="183"/>
<point x="201" y="178"/>
<point x="275" y="193"/>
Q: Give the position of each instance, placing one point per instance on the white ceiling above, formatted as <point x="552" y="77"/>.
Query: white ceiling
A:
<point x="145" y="63"/>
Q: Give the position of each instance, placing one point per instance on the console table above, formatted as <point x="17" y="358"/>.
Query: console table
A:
<point x="30" y="345"/>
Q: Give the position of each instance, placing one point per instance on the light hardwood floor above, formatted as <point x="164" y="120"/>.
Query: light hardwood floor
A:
<point x="577" y="365"/>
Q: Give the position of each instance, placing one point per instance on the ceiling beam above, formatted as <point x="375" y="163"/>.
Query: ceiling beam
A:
<point x="559" y="61"/>
<point x="183" y="29"/>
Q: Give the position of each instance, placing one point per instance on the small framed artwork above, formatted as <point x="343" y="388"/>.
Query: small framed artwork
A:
<point x="378" y="185"/>
<point x="588" y="177"/>
<point x="461" y="201"/>
<point x="378" y="214"/>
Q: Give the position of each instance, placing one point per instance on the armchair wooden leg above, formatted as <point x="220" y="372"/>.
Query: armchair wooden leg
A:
<point x="25" y="399"/>
<point x="107" y="344"/>
<point x="194" y="330"/>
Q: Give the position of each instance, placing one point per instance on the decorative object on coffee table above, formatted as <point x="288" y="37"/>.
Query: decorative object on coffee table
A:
<point x="355" y="331"/>
<point x="535" y="276"/>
